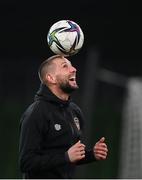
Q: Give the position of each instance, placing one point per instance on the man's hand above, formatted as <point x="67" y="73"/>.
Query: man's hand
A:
<point x="100" y="149"/>
<point x="76" y="152"/>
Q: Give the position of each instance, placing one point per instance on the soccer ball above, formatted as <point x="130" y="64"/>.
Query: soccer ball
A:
<point x="65" y="38"/>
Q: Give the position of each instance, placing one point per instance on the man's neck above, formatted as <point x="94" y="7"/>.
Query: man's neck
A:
<point x="59" y="93"/>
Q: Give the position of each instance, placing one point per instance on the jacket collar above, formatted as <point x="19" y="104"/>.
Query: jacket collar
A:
<point x="45" y="93"/>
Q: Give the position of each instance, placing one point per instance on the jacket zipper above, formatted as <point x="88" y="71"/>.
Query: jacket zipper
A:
<point x="71" y="127"/>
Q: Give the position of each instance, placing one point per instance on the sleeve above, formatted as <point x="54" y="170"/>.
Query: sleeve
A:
<point x="31" y="158"/>
<point x="89" y="156"/>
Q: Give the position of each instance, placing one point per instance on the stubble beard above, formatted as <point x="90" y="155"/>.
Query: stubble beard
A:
<point x="67" y="88"/>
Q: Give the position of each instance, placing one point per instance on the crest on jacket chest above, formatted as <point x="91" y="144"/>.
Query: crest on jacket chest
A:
<point x="76" y="120"/>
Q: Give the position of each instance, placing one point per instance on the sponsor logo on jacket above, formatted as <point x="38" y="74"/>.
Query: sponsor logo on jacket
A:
<point x="57" y="127"/>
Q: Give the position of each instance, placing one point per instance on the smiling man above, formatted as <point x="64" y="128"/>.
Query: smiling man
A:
<point x="51" y="128"/>
<point x="59" y="75"/>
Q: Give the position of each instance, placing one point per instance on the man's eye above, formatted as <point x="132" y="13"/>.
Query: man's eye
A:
<point x="65" y="65"/>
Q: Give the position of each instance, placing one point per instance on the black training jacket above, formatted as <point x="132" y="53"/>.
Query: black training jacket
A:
<point x="48" y="129"/>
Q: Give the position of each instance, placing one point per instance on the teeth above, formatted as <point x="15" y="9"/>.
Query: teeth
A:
<point x="72" y="79"/>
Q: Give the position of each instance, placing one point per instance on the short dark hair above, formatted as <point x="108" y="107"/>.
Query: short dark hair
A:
<point x="44" y="64"/>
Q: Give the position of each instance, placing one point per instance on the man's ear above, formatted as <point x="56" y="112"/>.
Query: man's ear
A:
<point x="51" y="79"/>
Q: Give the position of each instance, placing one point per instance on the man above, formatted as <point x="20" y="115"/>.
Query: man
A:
<point x="51" y="128"/>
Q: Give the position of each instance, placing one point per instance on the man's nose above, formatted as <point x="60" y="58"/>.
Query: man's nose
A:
<point x="73" y="69"/>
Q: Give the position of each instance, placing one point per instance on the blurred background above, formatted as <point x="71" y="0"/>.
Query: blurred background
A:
<point x="109" y="75"/>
